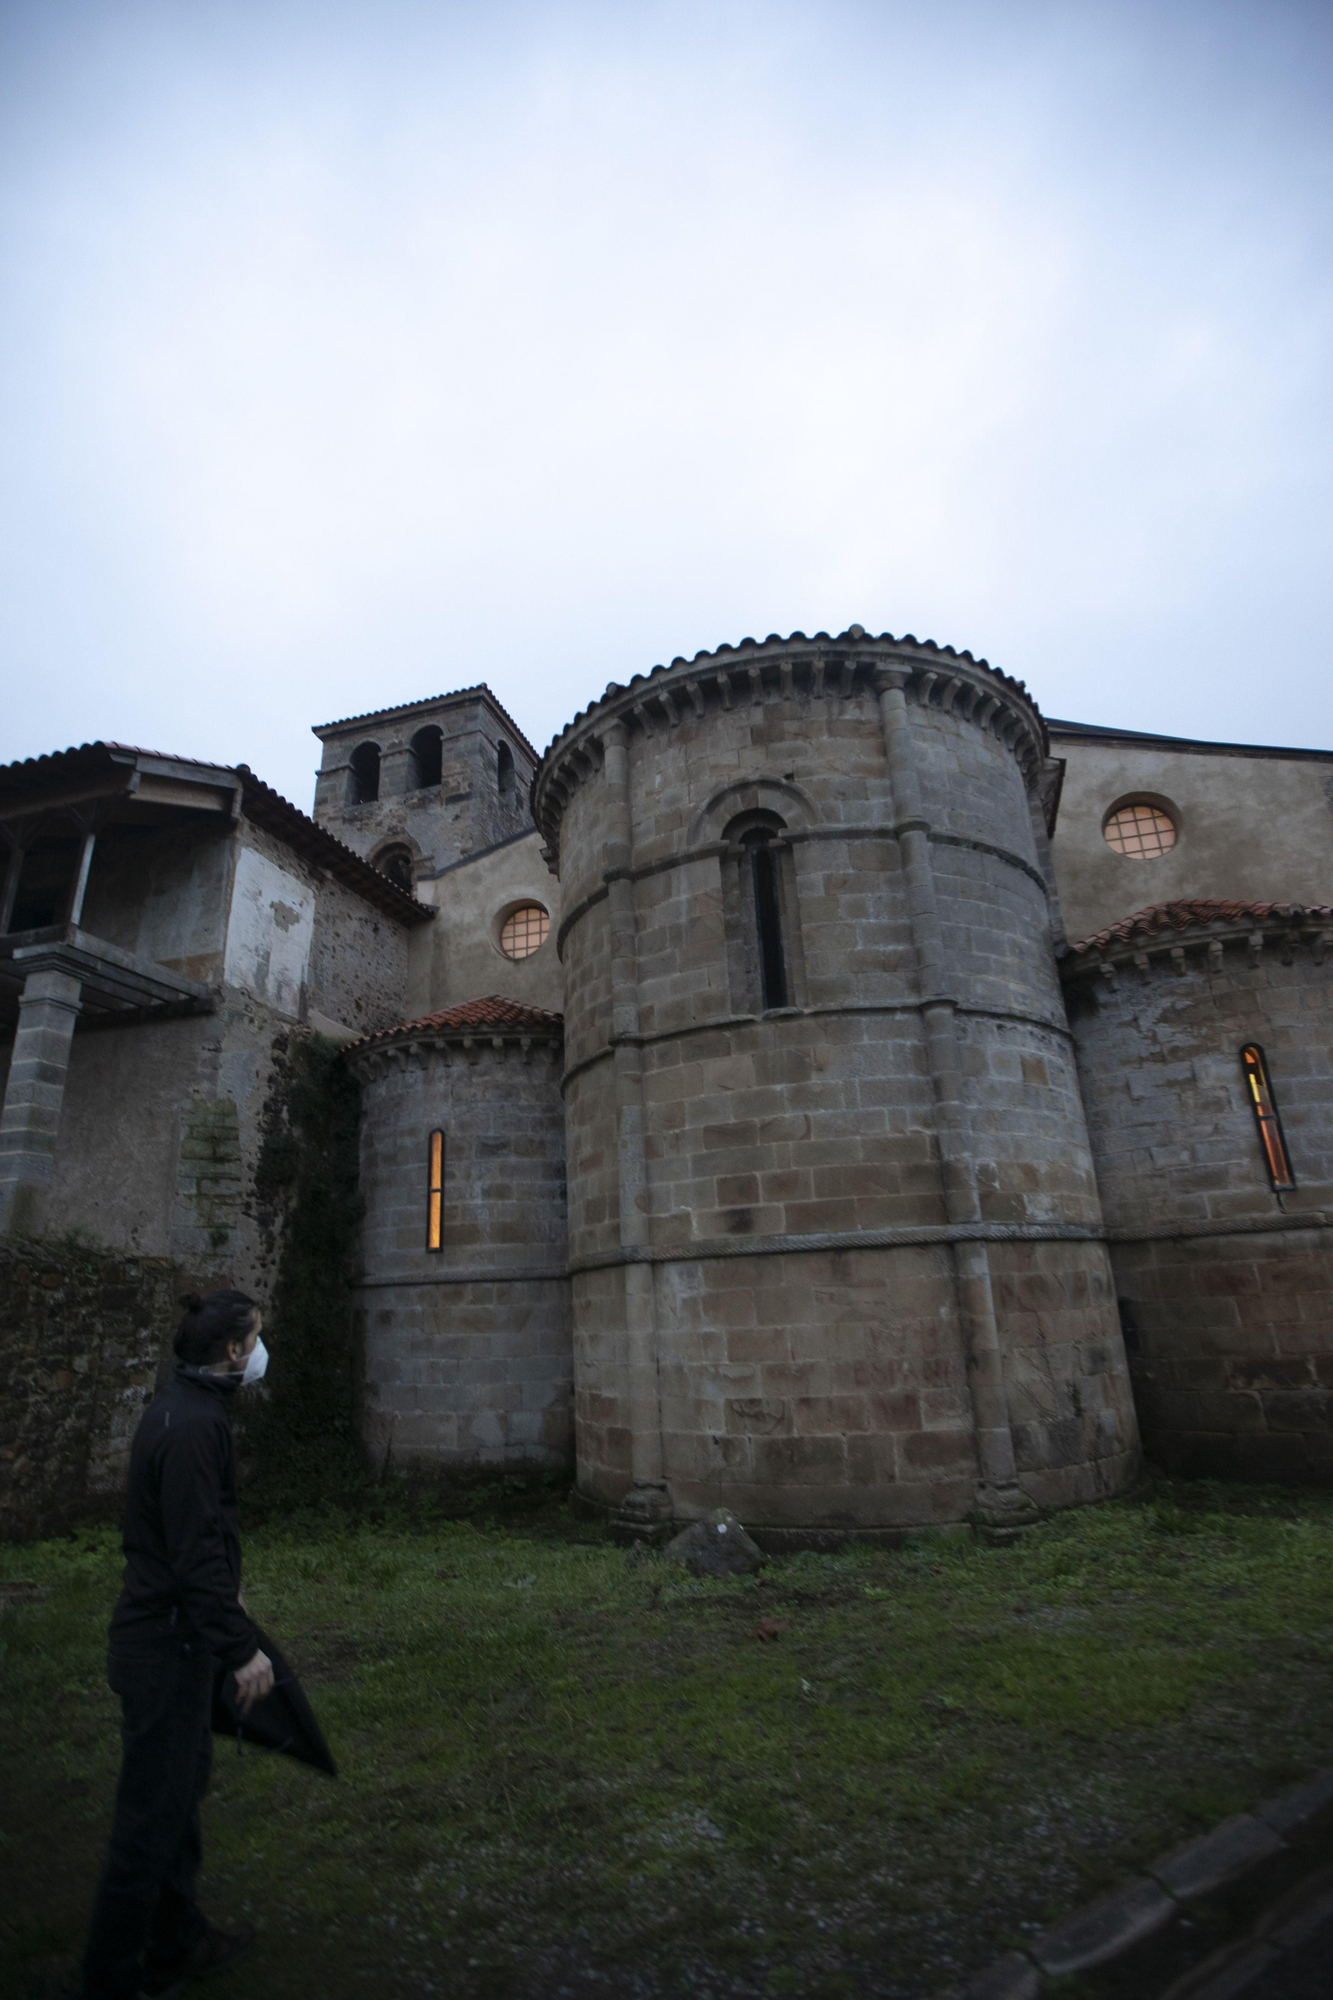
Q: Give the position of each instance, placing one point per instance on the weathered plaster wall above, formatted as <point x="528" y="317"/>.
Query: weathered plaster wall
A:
<point x="1253" y="826"/>
<point x="85" y="1337"/>
<point x="163" y="1119"/>
<point x="1225" y="1287"/>
<point x="164" y="894"/>
<point x="305" y="943"/>
<point x="467" y="1349"/>
<point x="458" y="957"/>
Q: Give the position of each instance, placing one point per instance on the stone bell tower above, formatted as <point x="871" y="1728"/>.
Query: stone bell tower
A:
<point x="416" y="788"/>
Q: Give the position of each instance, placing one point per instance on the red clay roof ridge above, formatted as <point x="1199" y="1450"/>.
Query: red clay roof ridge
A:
<point x="494" y="1014"/>
<point x="432" y="701"/>
<point x="1195" y="914"/>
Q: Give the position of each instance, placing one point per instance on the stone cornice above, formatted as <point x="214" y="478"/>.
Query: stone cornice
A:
<point x="796" y="668"/>
<point x="444" y="1045"/>
<point x="1262" y="932"/>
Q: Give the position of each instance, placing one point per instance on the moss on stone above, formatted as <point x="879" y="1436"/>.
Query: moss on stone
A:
<point x="302" y="1441"/>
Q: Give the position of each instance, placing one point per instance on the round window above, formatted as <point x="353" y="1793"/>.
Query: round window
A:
<point x="1140" y="832"/>
<point x="524" y="930"/>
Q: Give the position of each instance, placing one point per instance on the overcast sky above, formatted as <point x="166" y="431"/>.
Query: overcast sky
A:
<point x="353" y="353"/>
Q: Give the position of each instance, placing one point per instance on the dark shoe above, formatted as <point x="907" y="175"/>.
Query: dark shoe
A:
<point x="212" y="1951"/>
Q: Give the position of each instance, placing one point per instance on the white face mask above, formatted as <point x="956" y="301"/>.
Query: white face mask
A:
<point x="256" y="1361"/>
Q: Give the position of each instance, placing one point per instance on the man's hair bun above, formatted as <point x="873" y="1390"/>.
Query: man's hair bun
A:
<point x="211" y="1322"/>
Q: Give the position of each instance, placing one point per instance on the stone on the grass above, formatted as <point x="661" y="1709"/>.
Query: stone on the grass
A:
<point x="716" y="1546"/>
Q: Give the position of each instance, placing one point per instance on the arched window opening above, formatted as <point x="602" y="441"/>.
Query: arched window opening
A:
<point x="427" y="757"/>
<point x="504" y="770"/>
<point x="1271" y="1137"/>
<point x="396" y="863"/>
<point x="365" y="769"/>
<point x="767" y="918"/>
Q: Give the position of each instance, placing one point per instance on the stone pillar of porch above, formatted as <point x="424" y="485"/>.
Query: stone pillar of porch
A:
<point x="34" y="1095"/>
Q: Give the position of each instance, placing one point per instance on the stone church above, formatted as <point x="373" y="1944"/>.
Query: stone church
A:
<point x="817" y="1085"/>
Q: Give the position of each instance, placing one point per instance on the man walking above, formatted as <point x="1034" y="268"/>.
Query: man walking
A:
<point x="180" y="1615"/>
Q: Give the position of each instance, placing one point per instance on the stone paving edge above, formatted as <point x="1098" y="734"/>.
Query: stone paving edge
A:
<point x="1102" y="1930"/>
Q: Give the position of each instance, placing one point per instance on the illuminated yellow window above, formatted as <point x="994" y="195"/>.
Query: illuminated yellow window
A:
<point x="524" y="931"/>
<point x="1140" y="833"/>
<point x="1265" y="1114"/>
<point x="435" y="1194"/>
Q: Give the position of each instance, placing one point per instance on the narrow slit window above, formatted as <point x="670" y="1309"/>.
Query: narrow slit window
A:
<point x="1271" y="1136"/>
<point x="435" y="1194"/>
<point x="768" y="921"/>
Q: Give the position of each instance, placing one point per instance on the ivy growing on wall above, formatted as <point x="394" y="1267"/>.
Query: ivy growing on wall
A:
<point x="303" y="1439"/>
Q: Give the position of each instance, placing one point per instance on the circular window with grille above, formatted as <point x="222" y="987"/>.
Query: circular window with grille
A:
<point x="1140" y="831"/>
<point x="524" y="930"/>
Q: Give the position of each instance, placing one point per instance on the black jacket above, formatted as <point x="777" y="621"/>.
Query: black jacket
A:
<point x="182" y="1544"/>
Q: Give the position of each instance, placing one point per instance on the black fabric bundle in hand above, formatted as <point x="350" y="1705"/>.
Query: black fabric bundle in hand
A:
<point x="283" y="1720"/>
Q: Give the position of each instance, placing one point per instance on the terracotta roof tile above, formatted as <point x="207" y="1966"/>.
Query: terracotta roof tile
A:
<point x="495" y="1013"/>
<point x="261" y="804"/>
<point x="431" y="701"/>
<point x="1188" y="916"/>
<point x="855" y="635"/>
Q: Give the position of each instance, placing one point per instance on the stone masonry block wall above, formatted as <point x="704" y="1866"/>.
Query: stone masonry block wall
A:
<point x="86" y="1335"/>
<point x="823" y="1389"/>
<point x="467" y="1349"/>
<point x="798" y="1350"/>
<point x="1225" y="1287"/>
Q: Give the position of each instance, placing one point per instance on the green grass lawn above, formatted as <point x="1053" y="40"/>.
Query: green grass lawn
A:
<point x="564" y="1771"/>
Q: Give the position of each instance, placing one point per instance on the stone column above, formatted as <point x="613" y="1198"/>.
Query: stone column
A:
<point x="30" y="1120"/>
<point x="1000" y="1501"/>
<point x="397" y="770"/>
<point x="648" y="1503"/>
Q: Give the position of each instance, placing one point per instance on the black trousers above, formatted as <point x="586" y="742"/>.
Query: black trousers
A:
<point x="145" y="1911"/>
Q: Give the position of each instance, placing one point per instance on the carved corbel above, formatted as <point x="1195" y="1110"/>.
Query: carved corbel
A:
<point x="1215" y="955"/>
<point x="1254" y="946"/>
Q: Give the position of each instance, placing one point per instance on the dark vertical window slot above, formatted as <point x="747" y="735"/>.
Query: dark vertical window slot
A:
<point x="504" y="770"/>
<point x="768" y="920"/>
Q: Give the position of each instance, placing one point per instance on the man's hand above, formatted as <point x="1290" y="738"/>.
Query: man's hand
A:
<point x="254" y="1680"/>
